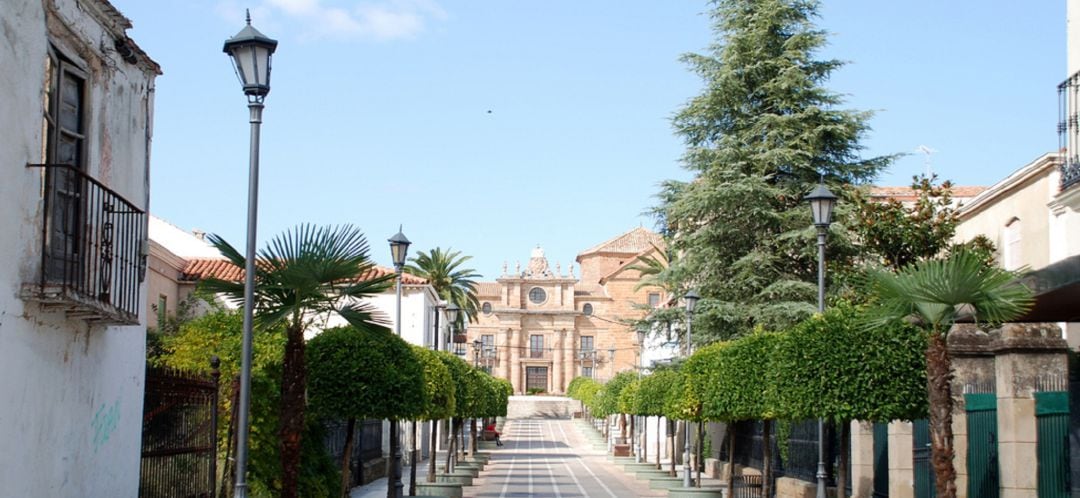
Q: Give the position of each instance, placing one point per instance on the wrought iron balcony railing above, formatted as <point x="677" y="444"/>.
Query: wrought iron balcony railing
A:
<point x="93" y="249"/>
<point x="1069" y="130"/>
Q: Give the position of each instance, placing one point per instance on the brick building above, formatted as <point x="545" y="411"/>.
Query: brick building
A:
<point x="539" y="328"/>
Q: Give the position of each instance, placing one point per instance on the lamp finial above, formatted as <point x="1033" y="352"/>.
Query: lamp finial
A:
<point x="247" y="15"/>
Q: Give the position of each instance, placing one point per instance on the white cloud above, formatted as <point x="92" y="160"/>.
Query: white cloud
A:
<point x="380" y="20"/>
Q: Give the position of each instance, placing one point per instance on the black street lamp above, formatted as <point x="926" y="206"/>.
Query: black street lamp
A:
<point x="399" y="248"/>
<point x="691" y="298"/>
<point x="822" y="203"/>
<point x="476" y="345"/>
<point x="250" y="51"/>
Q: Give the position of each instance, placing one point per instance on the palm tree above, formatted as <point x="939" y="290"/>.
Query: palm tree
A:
<point x="454" y="284"/>
<point x="302" y="276"/>
<point x="936" y="294"/>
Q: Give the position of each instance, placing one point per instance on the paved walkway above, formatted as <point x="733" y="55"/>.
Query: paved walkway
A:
<point x="542" y="458"/>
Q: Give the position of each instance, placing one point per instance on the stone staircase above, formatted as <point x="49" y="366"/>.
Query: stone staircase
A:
<point x="541" y="407"/>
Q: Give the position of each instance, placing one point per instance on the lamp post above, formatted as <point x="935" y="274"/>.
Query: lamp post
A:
<point x="476" y="344"/>
<point x="452" y="312"/>
<point x="399" y="248"/>
<point x="691" y="299"/>
<point x="642" y="425"/>
<point x="822" y="203"/>
<point x="250" y="51"/>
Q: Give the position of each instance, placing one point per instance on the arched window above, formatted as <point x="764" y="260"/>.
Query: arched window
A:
<point x="587" y="309"/>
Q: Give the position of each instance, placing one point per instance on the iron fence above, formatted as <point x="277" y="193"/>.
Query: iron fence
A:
<point x="179" y="435"/>
<point x="93" y="247"/>
<point x="367" y="445"/>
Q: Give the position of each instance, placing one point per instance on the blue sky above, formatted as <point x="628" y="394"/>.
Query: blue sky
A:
<point x="379" y="110"/>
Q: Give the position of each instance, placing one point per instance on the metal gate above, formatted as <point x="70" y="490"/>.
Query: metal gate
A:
<point x="1052" y="447"/>
<point x="179" y="435"/>
<point x="881" y="460"/>
<point x="982" y="453"/>
<point x="536" y="378"/>
<point x="924" y="471"/>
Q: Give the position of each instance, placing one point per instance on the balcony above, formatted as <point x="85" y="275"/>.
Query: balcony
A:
<point x="93" y="250"/>
<point x="1069" y="130"/>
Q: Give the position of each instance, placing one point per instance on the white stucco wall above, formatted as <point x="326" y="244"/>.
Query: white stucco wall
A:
<point x="71" y="410"/>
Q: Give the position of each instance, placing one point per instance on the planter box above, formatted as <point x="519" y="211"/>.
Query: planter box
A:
<point x="455" y="478"/>
<point x="710" y="492"/>
<point x="438" y="489"/>
<point x="667" y="482"/>
<point x="621" y="450"/>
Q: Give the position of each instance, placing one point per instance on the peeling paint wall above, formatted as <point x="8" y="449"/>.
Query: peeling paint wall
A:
<point x="71" y="409"/>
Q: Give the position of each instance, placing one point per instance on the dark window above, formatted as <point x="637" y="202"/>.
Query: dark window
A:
<point x="587" y="309"/>
<point x="586" y="371"/>
<point x="486" y="308"/>
<point x="64" y="116"/>
<point x="586" y="343"/>
<point x="536" y="346"/>
<point x="537" y="295"/>
<point x="654" y="299"/>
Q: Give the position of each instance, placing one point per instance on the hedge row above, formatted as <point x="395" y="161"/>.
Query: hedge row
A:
<point x="830" y="366"/>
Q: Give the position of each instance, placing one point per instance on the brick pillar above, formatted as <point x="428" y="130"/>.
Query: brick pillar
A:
<point x="973" y="372"/>
<point x="1024" y="352"/>
<point x="515" y="360"/>
<point x="901" y="461"/>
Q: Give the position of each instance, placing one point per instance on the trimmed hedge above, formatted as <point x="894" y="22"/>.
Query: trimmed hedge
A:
<point x="607" y="401"/>
<point x="438" y="384"/>
<point x="833" y="367"/>
<point x="652" y="392"/>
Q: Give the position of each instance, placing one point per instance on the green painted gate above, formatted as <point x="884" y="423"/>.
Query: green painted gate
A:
<point x="982" y="453"/>
<point x="1052" y="415"/>
<point x="924" y="471"/>
<point x="881" y="460"/>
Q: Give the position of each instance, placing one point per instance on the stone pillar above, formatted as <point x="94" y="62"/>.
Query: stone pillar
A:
<point x="901" y="461"/>
<point x="515" y="361"/>
<point x="862" y="458"/>
<point x="1024" y="353"/>
<point x="558" y="363"/>
<point x="973" y="372"/>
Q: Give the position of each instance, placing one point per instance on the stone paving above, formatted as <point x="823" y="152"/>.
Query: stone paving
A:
<point x="544" y="458"/>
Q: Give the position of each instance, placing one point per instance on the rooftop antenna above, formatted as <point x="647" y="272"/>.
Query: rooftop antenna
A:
<point x="924" y="149"/>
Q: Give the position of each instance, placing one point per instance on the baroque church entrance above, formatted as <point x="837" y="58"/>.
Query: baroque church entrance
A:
<point x="536" y="378"/>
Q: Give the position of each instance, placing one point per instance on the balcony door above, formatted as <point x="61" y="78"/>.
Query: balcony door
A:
<point x="65" y="144"/>
<point x="536" y="378"/>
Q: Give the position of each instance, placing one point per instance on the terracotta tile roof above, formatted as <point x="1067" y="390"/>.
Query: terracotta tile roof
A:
<point x="632" y="242"/>
<point x="200" y="268"/>
<point x="908" y="193"/>
<point x="488" y="289"/>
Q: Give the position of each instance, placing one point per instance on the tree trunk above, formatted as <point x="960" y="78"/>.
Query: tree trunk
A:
<point x="395" y="459"/>
<point x="451" y="450"/>
<point x="472" y="432"/>
<point x="766" y="457"/>
<point x="293" y="382"/>
<point x="731" y="459"/>
<point x="633" y="434"/>
<point x="939" y="381"/>
<point x="434" y="450"/>
<point x="671" y="445"/>
<point x="842" y="472"/>
<point x="658" y="465"/>
<point x="413" y="454"/>
<point x="700" y="464"/>
<point x="346" y="457"/>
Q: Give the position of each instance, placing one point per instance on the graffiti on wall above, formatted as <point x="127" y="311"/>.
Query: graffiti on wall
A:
<point x="104" y="423"/>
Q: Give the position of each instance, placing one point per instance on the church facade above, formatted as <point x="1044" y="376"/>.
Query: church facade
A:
<point x="539" y="327"/>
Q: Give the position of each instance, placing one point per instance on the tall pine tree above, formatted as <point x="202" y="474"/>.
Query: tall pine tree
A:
<point x="760" y="135"/>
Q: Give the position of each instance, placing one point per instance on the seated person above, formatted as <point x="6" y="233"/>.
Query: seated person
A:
<point x="491" y="428"/>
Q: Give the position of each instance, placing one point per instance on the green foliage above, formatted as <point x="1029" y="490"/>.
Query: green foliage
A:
<point x="454" y="284"/>
<point x="494" y="395"/>
<point x="903" y="234"/>
<point x="680" y="401"/>
<point x="939" y="292"/>
<point x="219" y="333"/>
<point x="438" y="385"/>
<point x="575" y="384"/>
<point x="534" y="390"/>
<point x="364" y="374"/>
<point x="731" y="378"/>
<point x="463" y="389"/>
<point x="762" y="132"/>
<point x="628" y="398"/>
<point x="652" y="392"/>
<point x="607" y="400"/>
<point x="830" y="367"/>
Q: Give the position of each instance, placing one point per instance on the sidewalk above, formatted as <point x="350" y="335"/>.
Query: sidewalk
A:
<point x="377" y="488"/>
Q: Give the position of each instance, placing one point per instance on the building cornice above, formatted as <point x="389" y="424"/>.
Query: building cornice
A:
<point x="1018" y="179"/>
